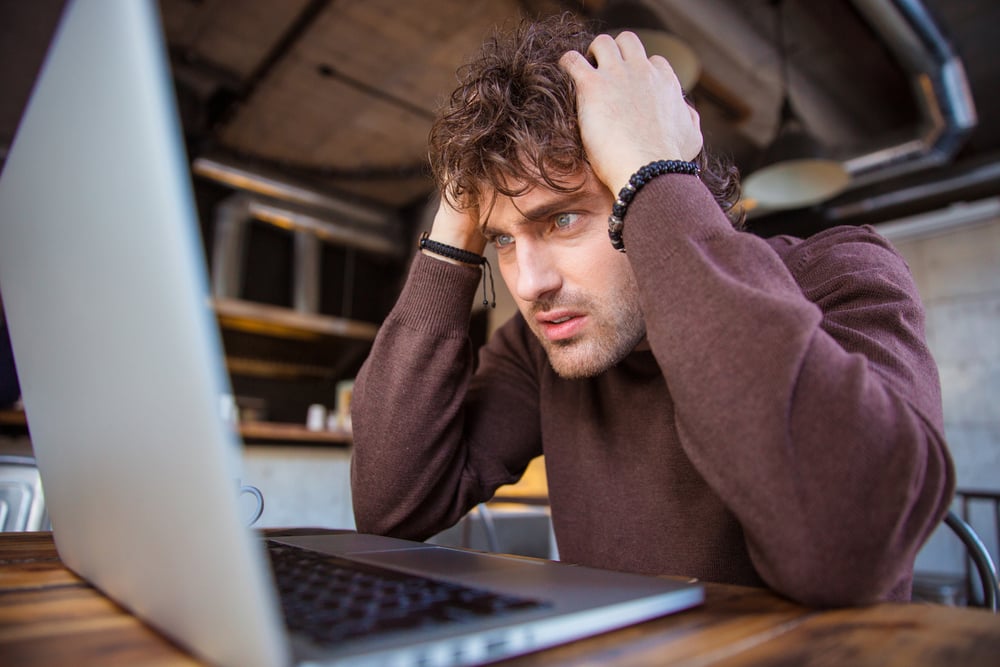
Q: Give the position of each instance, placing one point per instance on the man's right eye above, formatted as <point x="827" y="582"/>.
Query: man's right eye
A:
<point x="503" y="240"/>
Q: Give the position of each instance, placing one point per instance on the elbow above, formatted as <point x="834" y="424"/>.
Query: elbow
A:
<point x="838" y="568"/>
<point x="373" y="513"/>
<point x="857" y="571"/>
<point x="379" y="512"/>
<point x="830" y="589"/>
<point x="863" y="554"/>
<point x="366" y="520"/>
<point x="376" y="519"/>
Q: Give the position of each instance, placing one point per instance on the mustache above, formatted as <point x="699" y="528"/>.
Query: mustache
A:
<point x="563" y="300"/>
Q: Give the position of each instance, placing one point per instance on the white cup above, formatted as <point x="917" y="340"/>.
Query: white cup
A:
<point x="316" y="417"/>
<point x="258" y="502"/>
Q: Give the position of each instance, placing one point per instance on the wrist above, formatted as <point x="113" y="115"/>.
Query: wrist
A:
<point x="621" y="171"/>
<point x="454" y="255"/>
<point x="449" y="253"/>
<point x="467" y="243"/>
<point x="616" y="221"/>
<point x="457" y="229"/>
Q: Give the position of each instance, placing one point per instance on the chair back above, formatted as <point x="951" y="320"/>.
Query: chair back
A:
<point x="980" y="557"/>
<point x="22" y="503"/>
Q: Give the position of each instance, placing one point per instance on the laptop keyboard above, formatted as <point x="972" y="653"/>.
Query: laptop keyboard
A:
<point x="331" y="599"/>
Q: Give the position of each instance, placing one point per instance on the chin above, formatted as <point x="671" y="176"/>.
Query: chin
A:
<point x="585" y="358"/>
<point x="579" y="364"/>
<point x="575" y="373"/>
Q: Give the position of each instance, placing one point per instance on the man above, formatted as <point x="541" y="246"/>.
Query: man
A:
<point x="709" y="403"/>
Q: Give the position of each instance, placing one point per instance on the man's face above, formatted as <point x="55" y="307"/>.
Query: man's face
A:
<point x="576" y="292"/>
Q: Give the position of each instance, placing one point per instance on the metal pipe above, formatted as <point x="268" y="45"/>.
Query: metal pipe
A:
<point x="940" y="85"/>
<point x="979" y="176"/>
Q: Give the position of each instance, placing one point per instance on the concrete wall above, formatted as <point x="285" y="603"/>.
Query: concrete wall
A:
<point x="302" y="486"/>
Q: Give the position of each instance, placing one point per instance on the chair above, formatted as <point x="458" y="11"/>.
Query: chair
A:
<point x="520" y="530"/>
<point x="22" y="503"/>
<point x="489" y="527"/>
<point x="980" y="557"/>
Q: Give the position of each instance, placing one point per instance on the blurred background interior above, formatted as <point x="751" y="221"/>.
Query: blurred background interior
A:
<point x="306" y="125"/>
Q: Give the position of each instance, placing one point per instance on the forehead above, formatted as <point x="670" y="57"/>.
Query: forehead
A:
<point x="538" y="201"/>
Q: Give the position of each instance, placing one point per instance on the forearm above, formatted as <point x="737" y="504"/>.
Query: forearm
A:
<point x="823" y="437"/>
<point x="419" y="362"/>
<point x="425" y="447"/>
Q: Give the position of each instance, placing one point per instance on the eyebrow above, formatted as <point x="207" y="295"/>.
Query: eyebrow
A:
<point x="544" y="210"/>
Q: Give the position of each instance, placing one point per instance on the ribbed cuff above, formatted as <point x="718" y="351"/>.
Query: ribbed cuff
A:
<point x="437" y="297"/>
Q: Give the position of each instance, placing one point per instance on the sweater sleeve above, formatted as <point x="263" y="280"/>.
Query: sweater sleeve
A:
<point x="805" y="393"/>
<point x="431" y="437"/>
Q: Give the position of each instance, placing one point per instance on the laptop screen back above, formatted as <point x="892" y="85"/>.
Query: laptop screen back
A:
<point x="104" y="286"/>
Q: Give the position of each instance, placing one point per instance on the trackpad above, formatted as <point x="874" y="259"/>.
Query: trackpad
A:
<point x="443" y="562"/>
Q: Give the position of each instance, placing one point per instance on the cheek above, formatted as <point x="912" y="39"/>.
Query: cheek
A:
<point x="509" y="274"/>
<point x="508" y="271"/>
<point x="601" y="268"/>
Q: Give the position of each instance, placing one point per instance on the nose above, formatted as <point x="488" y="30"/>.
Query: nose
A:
<point x="537" y="271"/>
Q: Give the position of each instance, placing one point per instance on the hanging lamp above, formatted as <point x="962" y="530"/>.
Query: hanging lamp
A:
<point x="795" y="170"/>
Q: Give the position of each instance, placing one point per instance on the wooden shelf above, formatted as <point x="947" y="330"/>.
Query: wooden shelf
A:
<point x="13" y="418"/>
<point x="252" y="431"/>
<point x="281" y="432"/>
<point x="261" y="368"/>
<point x="268" y="320"/>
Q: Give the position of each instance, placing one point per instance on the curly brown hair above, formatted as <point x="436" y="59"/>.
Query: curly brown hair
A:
<point x="512" y="121"/>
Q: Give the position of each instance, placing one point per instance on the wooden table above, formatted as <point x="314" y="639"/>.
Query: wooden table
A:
<point x="50" y="617"/>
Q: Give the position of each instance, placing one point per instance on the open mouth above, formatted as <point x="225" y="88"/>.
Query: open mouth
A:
<point x="561" y="327"/>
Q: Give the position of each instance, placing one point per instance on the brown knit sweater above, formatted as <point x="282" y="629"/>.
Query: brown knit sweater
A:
<point x="785" y="430"/>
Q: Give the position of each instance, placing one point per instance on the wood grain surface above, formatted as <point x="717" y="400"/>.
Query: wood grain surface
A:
<point x="50" y="617"/>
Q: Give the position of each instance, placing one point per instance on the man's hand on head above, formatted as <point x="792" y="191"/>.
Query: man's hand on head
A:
<point x="457" y="228"/>
<point x="631" y="109"/>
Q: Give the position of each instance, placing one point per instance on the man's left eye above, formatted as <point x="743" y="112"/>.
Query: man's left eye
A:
<point x="564" y="220"/>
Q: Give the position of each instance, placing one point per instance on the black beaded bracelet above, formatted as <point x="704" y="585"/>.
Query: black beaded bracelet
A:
<point x="464" y="256"/>
<point x="616" y="221"/>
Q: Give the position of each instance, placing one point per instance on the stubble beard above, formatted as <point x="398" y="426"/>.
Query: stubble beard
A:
<point x="616" y="327"/>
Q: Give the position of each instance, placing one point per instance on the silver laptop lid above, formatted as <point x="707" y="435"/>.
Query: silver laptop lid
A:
<point x="119" y="357"/>
<point x="104" y="285"/>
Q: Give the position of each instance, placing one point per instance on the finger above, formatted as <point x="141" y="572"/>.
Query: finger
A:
<point x="699" y="139"/>
<point x="604" y="50"/>
<point x="630" y="45"/>
<point x="662" y="64"/>
<point x="575" y="64"/>
<point x="665" y="69"/>
<point x="695" y="118"/>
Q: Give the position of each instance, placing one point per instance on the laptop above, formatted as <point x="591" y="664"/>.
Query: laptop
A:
<point x="119" y="356"/>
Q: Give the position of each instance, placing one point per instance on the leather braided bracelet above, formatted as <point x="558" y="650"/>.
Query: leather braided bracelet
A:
<point x="616" y="221"/>
<point x="464" y="256"/>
